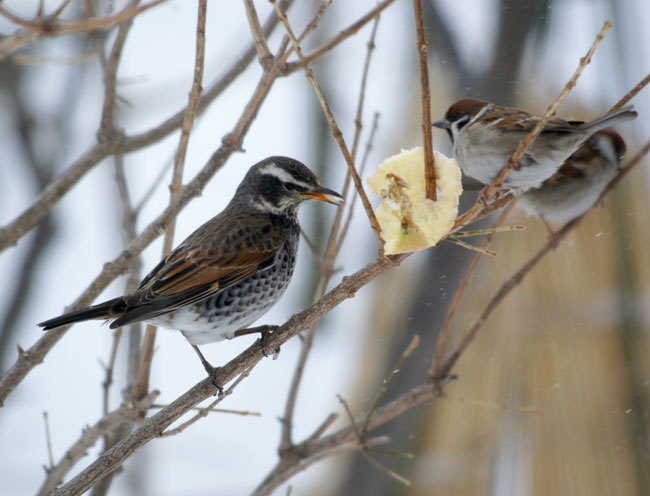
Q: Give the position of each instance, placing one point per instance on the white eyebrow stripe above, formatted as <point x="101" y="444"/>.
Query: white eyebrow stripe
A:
<point x="284" y="176"/>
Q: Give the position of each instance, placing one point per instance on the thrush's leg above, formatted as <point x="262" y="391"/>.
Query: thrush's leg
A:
<point x="209" y="369"/>
<point x="265" y="331"/>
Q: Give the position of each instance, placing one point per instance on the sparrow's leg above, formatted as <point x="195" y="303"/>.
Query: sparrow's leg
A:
<point x="551" y="234"/>
<point x="209" y="369"/>
<point x="265" y="331"/>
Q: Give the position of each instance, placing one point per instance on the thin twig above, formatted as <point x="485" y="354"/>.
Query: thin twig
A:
<point x="33" y="30"/>
<point x="326" y="264"/>
<point x="312" y="247"/>
<point x="26" y="221"/>
<point x="364" y="161"/>
<point x="336" y="132"/>
<point x="48" y="441"/>
<point x="209" y="409"/>
<point x="434" y="371"/>
<point x="630" y="94"/>
<point x="320" y="430"/>
<point x="134" y="331"/>
<point x="60" y="9"/>
<point x="204" y="411"/>
<point x="129" y="217"/>
<point x="154" y="185"/>
<point x="146" y="356"/>
<point x="28" y="359"/>
<point x="107" y="124"/>
<point x="128" y="412"/>
<point x="336" y="40"/>
<point x="302" y="463"/>
<point x="263" y="54"/>
<point x="108" y="378"/>
<point x="364" y="449"/>
<point x="415" y="342"/>
<point x="26" y="59"/>
<point x="489" y="231"/>
<point x="494" y="406"/>
<point x="358" y="119"/>
<point x="421" y="44"/>
<point x="315" y="20"/>
<point x="470" y="247"/>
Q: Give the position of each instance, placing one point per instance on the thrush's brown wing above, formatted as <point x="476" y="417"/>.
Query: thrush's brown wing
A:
<point x="220" y="253"/>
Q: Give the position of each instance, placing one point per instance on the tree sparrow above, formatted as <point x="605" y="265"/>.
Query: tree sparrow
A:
<point x="577" y="185"/>
<point x="484" y="136"/>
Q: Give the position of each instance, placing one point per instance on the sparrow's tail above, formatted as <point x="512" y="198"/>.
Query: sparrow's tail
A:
<point x="615" y="117"/>
<point x="106" y="310"/>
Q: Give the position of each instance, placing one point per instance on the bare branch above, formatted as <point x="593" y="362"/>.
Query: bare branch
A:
<point x="429" y="162"/>
<point x="336" y="40"/>
<point x="631" y="94"/>
<point x="434" y="372"/>
<point x="32" y="357"/>
<point x="110" y="77"/>
<point x="155" y="425"/>
<point x="48" y="442"/>
<point x="326" y="265"/>
<point x="515" y="279"/>
<point x="26" y="221"/>
<point x="50" y="27"/>
<point x="415" y="342"/>
<point x="364" y="161"/>
<point x="263" y="54"/>
<point x="128" y="412"/>
<point x="146" y="356"/>
<point x="336" y="132"/>
<point x="203" y="412"/>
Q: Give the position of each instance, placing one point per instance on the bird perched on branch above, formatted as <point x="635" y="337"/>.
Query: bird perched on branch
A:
<point x="577" y="185"/>
<point x="485" y="135"/>
<point x="231" y="270"/>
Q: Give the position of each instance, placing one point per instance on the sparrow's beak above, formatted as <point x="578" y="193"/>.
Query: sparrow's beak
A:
<point x="325" y="195"/>
<point x="442" y="124"/>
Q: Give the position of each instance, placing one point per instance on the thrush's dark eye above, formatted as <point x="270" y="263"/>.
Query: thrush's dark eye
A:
<point x="294" y="187"/>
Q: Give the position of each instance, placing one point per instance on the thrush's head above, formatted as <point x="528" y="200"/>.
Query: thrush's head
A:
<point x="278" y="185"/>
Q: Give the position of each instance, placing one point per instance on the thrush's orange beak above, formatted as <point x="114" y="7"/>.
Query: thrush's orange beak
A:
<point x="324" y="195"/>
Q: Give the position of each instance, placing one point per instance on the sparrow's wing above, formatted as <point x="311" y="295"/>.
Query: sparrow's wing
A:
<point x="201" y="267"/>
<point x="514" y="121"/>
<point x="569" y="170"/>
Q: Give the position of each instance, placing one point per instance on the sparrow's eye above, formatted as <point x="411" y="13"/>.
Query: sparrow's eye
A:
<point x="462" y="121"/>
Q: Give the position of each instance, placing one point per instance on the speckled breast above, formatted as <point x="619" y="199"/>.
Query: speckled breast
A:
<point x="246" y="301"/>
<point x="241" y="304"/>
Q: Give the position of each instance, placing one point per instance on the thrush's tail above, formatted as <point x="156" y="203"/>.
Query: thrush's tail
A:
<point x="106" y="310"/>
<point x="615" y="117"/>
